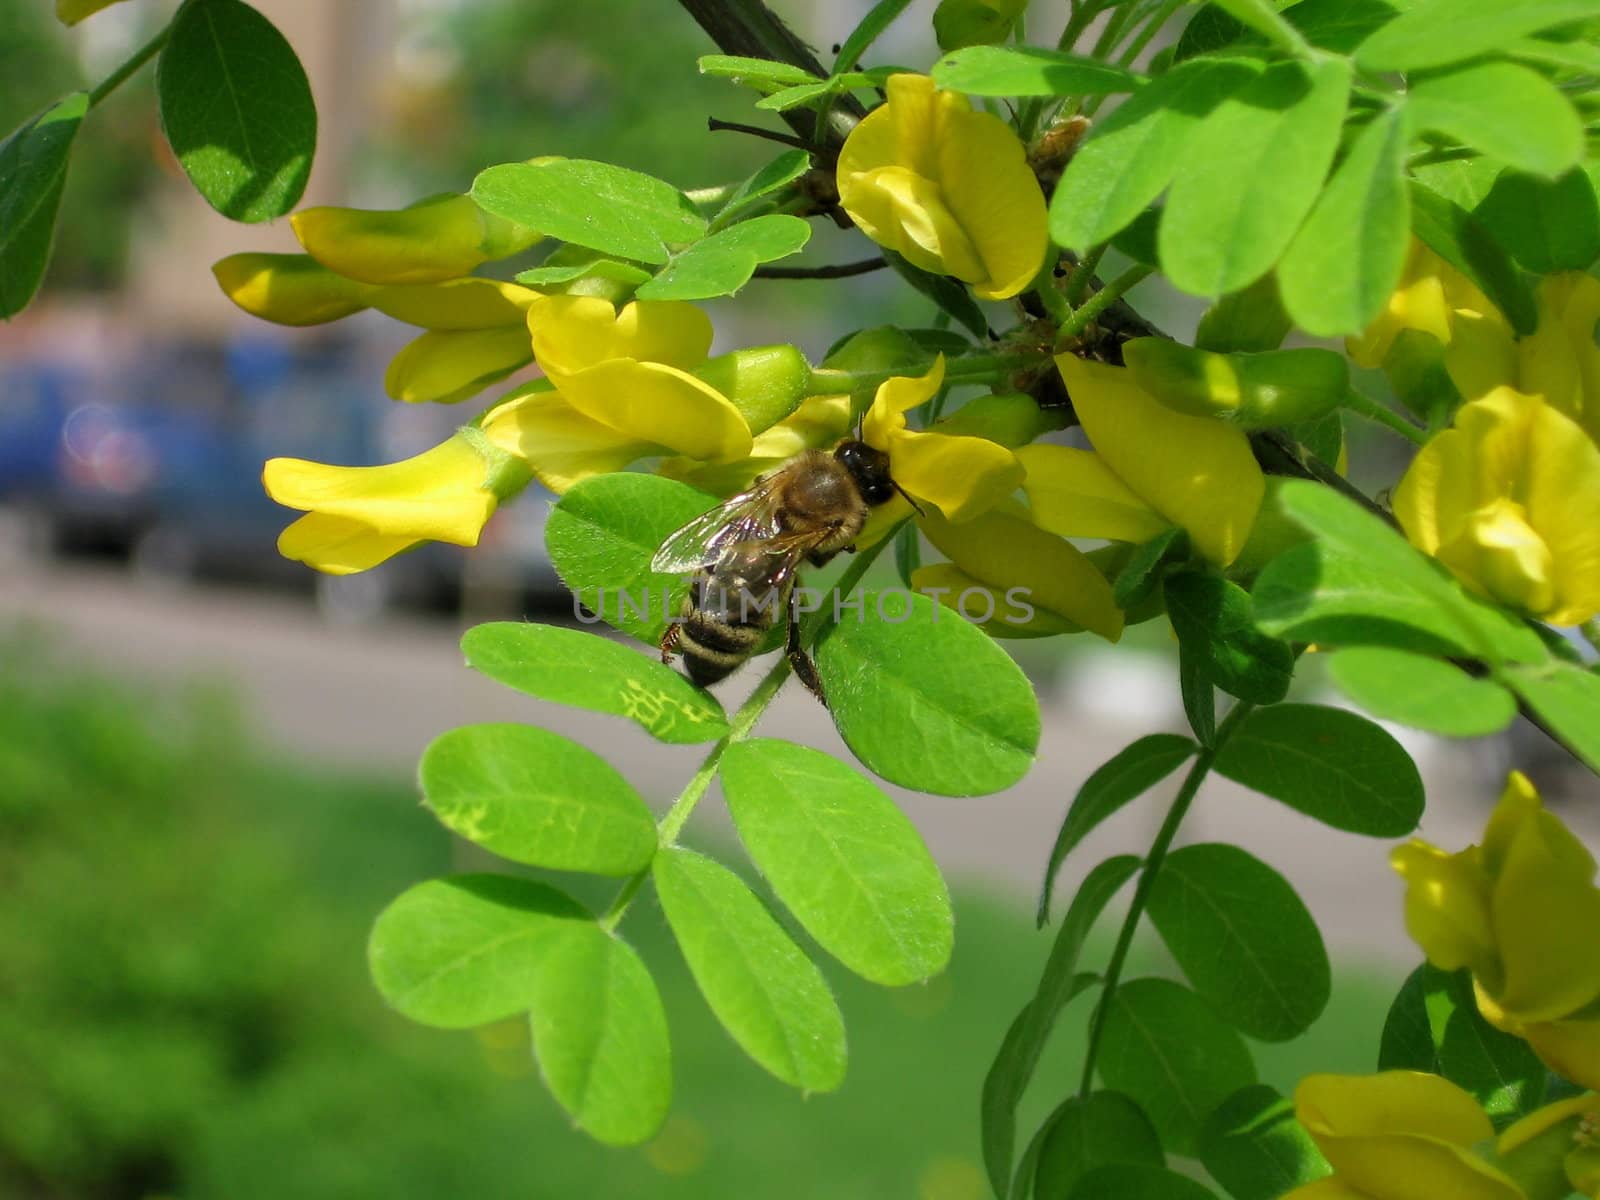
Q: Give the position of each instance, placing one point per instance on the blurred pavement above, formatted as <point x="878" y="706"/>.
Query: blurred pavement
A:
<point x="372" y="697"/>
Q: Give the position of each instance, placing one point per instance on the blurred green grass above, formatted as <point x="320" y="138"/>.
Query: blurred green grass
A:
<point x="184" y="1007"/>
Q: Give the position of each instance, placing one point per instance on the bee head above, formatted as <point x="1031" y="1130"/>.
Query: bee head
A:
<point x="869" y="468"/>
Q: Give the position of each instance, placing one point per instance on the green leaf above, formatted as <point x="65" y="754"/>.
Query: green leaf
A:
<point x="1422" y="691"/>
<point x="1264" y="18"/>
<point x="1547" y="224"/>
<point x="1345" y="262"/>
<point x="1127" y="775"/>
<point x="33" y="168"/>
<point x="779" y="173"/>
<point x="602" y="535"/>
<point x="1509" y="112"/>
<point x="1028" y="71"/>
<point x="468" y="950"/>
<point x="536" y="797"/>
<point x="793" y="97"/>
<point x="1139" y="1181"/>
<point x="1568" y="699"/>
<point x="1580" y="57"/>
<point x="1253" y="1146"/>
<point x="588" y="671"/>
<point x="1167" y="1049"/>
<point x="1141" y="574"/>
<point x="1129" y="157"/>
<point x="237" y="109"/>
<point x="1097" y="1130"/>
<point x="764" y="990"/>
<point x="842" y="858"/>
<point x="1323" y="437"/>
<point x="926" y="700"/>
<point x="1243" y="938"/>
<point x="1434" y="1026"/>
<point x="600" y="1035"/>
<point x="1213" y="621"/>
<point x="1337" y="25"/>
<point x="1248" y="321"/>
<point x="1433" y="33"/>
<point x="1332" y="765"/>
<point x="871" y="27"/>
<point x="762" y="73"/>
<point x="951" y="297"/>
<point x="1199" y="696"/>
<point x="1060" y="981"/>
<point x="1459" y="238"/>
<point x="598" y="268"/>
<point x="907" y="553"/>
<point x="1249" y="175"/>
<point x="604" y="207"/>
<point x="723" y="263"/>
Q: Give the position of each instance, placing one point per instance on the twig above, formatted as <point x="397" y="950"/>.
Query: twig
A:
<point x="832" y="271"/>
<point x="771" y="135"/>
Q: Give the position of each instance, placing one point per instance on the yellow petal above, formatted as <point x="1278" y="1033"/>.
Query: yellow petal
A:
<point x="1482" y="355"/>
<point x="649" y="402"/>
<point x="571" y="333"/>
<point x="1331" y="1188"/>
<point x="70" y="12"/>
<point x="995" y="197"/>
<point x="1560" y="360"/>
<point x="1005" y="551"/>
<point x="1436" y="494"/>
<point x="1520" y="1133"/>
<point x="894" y="398"/>
<point x="561" y="446"/>
<point x="1563" y="504"/>
<point x="469" y="303"/>
<point x="446" y="366"/>
<point x="907" y="213"/>
<point x="1195" y="472"/>
<point x="818" y="423"/>
<point x="1448" y="907"/>
<point x="338" y="545"/>
<point x="989" y="608"/>
<point x="1569" y="1048"/>
<point x="960" y="476"/>
<point x="290" y="289"/>
<point x="436" y="239"/>
<point x="444" y="494"/>
<point x="1419" y="304"/>
<point x="1074" y="493"/>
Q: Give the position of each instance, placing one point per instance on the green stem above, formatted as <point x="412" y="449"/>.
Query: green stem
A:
<point x="1078" y="282"/>
<point x="1082" y="17"/>
<point x="826" y="381"/>
<point x="1448" y="154"/>
<point x="1151" y="28"/>
<point x="1104" y="299"/>
<point x="712" y="197"/>
<point x="1147" y="879"/>
<point x="140" y="56"/>
<point x="744" y="720"/>
<point x="1050" y="296"/>
<point x="1591" y="632"/>
<point x="1365" y="406"/>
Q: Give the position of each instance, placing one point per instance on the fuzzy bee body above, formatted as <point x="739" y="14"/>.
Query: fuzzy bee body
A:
<point x="744" y="555"/>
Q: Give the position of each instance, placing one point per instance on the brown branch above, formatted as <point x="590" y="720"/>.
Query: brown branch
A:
<point x="833" y="271"/>
<point x="716" y="125"/>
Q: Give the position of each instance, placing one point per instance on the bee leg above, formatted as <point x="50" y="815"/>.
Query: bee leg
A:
<point x="805" y="669"/>
<point x="669" y="641"/>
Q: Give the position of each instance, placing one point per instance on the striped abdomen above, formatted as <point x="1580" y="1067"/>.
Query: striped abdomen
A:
<point x="728" y="609"/>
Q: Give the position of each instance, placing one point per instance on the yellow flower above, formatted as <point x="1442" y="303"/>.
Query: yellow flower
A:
<point x="356" y="517"/>
<point x="1151" y="468"/>
<point x="959" y="475"/>
<point x="1433" y="298"/>
<point x="1520" y="912"/>
<point x="819" y="423"/>
<point x="70" y="12"/>
<point x="435" y="239"/>
<point x="1397" y="1135"/>
<point x="1560" y="359"/>
<point x="1509" y="500"/>
<point x="448" y="366"/>
<point x="1558" y="1140"/>
<point x="946" y="187"/>
<point x="1015" y="578"/>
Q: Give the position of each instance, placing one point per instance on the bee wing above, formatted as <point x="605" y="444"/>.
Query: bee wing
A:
<point x="748" y="517"/>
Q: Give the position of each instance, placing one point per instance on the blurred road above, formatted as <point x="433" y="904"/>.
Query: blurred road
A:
<point x="372" y="697"/>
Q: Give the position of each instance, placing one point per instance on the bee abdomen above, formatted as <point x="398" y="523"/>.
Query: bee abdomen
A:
<point x="713" y="648"/>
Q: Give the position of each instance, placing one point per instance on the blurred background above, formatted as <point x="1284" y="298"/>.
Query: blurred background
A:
<point x="206" y="752"/>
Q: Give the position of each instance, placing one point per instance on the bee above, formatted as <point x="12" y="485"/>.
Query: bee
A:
<point x="745" y="552"/>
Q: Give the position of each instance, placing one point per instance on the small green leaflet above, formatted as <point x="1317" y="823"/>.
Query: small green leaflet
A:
<point x="766" y="993"/>
<point x="1342" y="266"/>
<point x="1568" y="698"/>
<point x="237" y="109"/>
<point x="536" y="797"/>
<point x="594" y="268"/>
<point x="1249" y="320"/>
<point x="1166" y="1048"/>
<point x="1141" y="574"/>
<point x="1244" y="939"/>
<point x="879" y="17"/>
<point x="723" y="263"/>
<point x="842" y="858"/>
<point x="1421" y="691"/>
<point x="1100" y="1129"/>
<point x="33" y="168"/>
<point x="585" y="670"/>
<point x="1546" y="224"/>
<point x="1510" y="112"/>
<point x="1433" y="33"/>
<point x="780" y="172"/>
<point x="1212" y="619"/>
<point x="761" y="73"/>
<point x="1028" y="71"/>
<point x="1264" y="18"/>
<point x="604" y="207"/>
<point x="1126" y="776"/>
<point x="1253" y="1145"/>
<point x="1332" y="765"/>
<point x="1130" y="156"/>
<point x="926" y="700"/>
<point x="1249" y="175"/>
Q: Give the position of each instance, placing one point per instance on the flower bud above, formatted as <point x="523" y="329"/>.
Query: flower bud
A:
<point x="1253" y="391"/>
<point x="450" y="365"/>
<point x="439" y="238"/>
<point x="1013" y="419"/>
<point x="290" y="289"/>
<point x="765" y="383"/>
